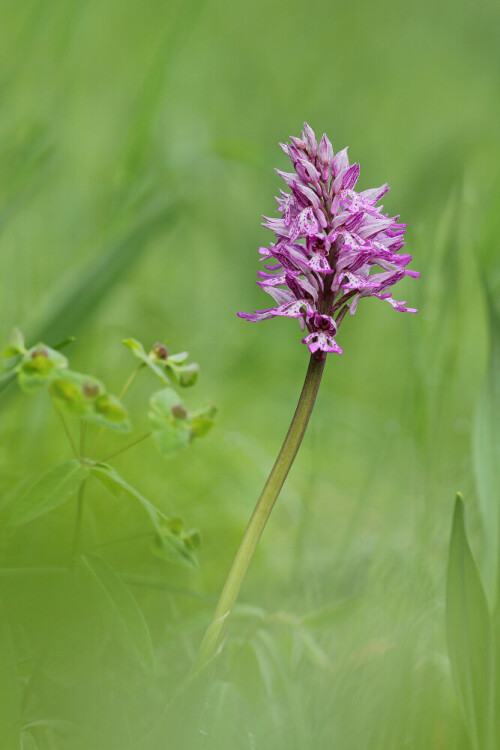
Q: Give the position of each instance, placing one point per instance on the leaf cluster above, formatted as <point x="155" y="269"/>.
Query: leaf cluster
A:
<point x="173" y="427"/>
<point x="81" y="395"/>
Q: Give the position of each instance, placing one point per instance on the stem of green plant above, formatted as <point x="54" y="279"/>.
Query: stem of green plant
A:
<point x="75" y="548"/>
<point x="66" y="429"/>
<point x="125" y="448"/>
<point x="122" y="395"/>
<point x="212" y="642"/>
<point x="83" y="432"/>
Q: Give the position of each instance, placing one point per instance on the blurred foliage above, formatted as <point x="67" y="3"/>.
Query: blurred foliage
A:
<point x="137" y="146"/>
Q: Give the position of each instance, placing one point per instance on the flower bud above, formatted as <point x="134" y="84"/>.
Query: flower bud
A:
<point x="40" y="352"/>
<point x="310" y="140"/>
<point x="179" y="411"/>
<point x="159" y="351"/>
<point x="325" y="155"/>
<point x="90" y="390"/>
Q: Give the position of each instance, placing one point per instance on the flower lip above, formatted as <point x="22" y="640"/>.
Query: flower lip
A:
<point x="331" y="243"/>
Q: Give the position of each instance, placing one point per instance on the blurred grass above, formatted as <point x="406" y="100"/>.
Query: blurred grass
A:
<point x="140" y="138"/>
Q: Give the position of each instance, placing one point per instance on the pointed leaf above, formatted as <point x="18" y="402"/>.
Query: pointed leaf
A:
<point x="14" y="350"/>
<point x="469" y="635"/>
<point x="75" y="392"/>
<point x="84" y="396"/>
<point x="114" y="482"/>
<point x="171" y="438"/>
<point x="486" y="456"/>
<point x="10" y="690"/>
<point x="127" y="618"/>
<point x="53" y="489"/>
<point x="74" y="304"/>
<point x="178" y="359"/>
<point x="176" y="545"/>
<point x="171" y="541"/>
<point x="28" y="742"/>
<point x="171" y="430"/>
<point x="203" y="420"/>
<point x="39" y="367"/>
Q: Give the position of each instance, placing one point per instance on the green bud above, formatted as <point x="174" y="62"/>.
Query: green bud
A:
<point x="193" y="540"/>
<point x="188" y="375"/>
<point x="14" y="349"/>
<point x="38" y="361"/>
<point x="203" y="420"/>
<point x="110" y="408"/>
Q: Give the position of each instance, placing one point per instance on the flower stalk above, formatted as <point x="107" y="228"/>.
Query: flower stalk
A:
<point x="214" y="635"/>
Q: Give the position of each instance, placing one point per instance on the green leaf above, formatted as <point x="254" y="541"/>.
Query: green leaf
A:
<point x="14" y="350"/>
<point x="183" y="375"/>
<point x="115" y="483"/>
<point x="167" y="368"/>
<point x="178" y="359"/>
<point x="64" y="343"/>
<point x="39" y="367"/>
<point x="188" y="375"/>
<point x="53" y="489"/>
<point x="28" y="742"/>
<point x="171" y="438"/>
<point x="171" y="433"/>
<point x="162" y="403"/>
<point x="486" y="456"/>
<point x="469" y="634"/>
<point x="5" y="379"/>
<point x="203" y="420"/>
<point x="75" y="392"/>
<point x="125" y="614"/>
<point x="75" y="303"/>
<point x="175" y="544"/>
<point x="110" y="412"/>
<point x="84" y="396"/>
<point x="171" y="541"/>
<point x="10" y="690"/>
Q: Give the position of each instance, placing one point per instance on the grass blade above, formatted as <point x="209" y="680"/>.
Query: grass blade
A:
<point x="129" y="623"/>
<point x="469" y="635"/>
<point x="83" y="297"/>
<point x="486" y="456"/>
<point x="10" y="690"/>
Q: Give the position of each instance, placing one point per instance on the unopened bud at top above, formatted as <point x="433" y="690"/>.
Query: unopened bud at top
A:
<point x="159" y="351"/>
<point x="310" y="140"/>
<point x="179" y="411"/>
<point x="90" y="390"/>
<point x="325" y="155"/>
<point x="40" y="352"/>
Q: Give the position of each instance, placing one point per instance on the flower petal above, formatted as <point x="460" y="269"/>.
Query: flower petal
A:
<point x="322" y="341"/>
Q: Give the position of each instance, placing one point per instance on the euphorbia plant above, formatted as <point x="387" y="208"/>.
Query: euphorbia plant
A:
<point x="333" y="247"/>
<point x="84" y="398"/>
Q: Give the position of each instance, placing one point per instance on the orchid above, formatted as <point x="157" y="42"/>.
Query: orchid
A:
<point x="329" y="241"/>
<point x="333" y="245"/>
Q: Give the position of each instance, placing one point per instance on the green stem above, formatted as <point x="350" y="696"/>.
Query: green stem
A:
<point x="213" y="637"/>
<point x="121" y="396"/>
<point x="125" y="448"/>
<point x="78" y="523"/>
<point x="66" y="429"/>
<point x="83" y="433"/>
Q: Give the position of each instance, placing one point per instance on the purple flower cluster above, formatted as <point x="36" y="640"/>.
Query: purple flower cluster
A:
<point x="329" y="239"/>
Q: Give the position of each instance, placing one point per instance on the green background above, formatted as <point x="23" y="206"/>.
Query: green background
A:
<point x="137" y="147"/>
